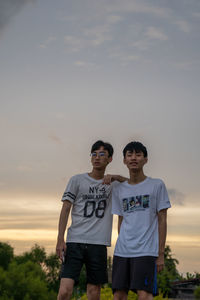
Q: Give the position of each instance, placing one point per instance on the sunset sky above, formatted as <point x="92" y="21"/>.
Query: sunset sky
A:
<point x="73" y="72"/>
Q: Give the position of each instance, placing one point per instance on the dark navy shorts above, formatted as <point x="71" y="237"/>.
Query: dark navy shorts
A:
<point x="93" y="256"/>
<point x="135" y="273"/>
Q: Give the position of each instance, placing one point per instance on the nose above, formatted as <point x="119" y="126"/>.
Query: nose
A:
<point x="133" y="156"/>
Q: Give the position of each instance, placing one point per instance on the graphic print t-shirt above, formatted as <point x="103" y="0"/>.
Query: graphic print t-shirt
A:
<point x="139" y="205"/>
<point x="91" y="210"/>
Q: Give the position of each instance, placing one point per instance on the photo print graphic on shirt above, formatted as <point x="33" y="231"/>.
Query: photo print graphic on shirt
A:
<point x="140" y="202"/>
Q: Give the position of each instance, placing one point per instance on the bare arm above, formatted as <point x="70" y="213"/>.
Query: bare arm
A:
<point x="110" y="178"/>
<point x="120" y="219"/>
<point x="162" y="233"/>
<point x="64" y="215"/>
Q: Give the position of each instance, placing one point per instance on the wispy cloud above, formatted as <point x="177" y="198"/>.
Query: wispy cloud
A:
<point x="74" y="43"/>
<point x="176" y="197"/>
<point x="47" y="42"/>
<point x="125" y="59"/>
<point x="25" y="168"/>
<point x="98" y="34"/>
<point x="90" y="37"/>
<point x="130" y="6"/>
<point x="113" y="19"/>
<point x="155" y="34"/>
<point x="81" y="63"/>
<point x="183" y="26"/>
<point x="187" y="65"/>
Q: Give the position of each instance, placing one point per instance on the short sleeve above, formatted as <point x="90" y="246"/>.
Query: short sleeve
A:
<point x="162" y="197"/>
<point x="71" y="190"/>
<point x="116" y="204"/>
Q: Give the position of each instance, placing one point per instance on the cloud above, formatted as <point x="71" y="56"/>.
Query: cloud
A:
<point x="8" y="9"/>
<point x="47" y="42"/>
<point x="113" y="19"/>
<point x="176" y="197"/>
<point x="74" y="43"/>
<point x="123" y="57"/>
<point x="105" y="30"/>
<point x="90" y="37"/>
<point x="81" y="63"/>
<point x="154" y="33"/>
<point x="129" y="58"/>
<point x="130" y="6"/>
<point x="187" y="65"/>
<point x="25" y="168"/>
<point x="98" y="34"/>
<point x="183" y="26"/>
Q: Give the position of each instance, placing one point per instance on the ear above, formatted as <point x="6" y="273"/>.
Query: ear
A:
<point x="146" y="160"/>
<point x="124" y="160"/>
<point x="109" y="159"/>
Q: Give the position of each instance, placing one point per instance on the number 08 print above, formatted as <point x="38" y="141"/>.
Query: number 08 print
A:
<point x="93" y="206"/>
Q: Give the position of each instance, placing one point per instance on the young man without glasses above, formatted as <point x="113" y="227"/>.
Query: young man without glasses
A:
<point x="141" y="204"/>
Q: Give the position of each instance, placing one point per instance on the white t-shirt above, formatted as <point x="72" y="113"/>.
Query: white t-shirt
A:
<point x="139" y="205"/>
<point x="91" y="210"/>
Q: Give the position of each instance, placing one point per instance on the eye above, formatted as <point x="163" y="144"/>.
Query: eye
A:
<point x="101" y="153"/>
<point x="138" y="154"/>
<point x="93" y="154"/>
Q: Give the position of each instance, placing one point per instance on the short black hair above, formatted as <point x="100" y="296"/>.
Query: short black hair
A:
<point x="107" y="146"/>
<point x="135" y="146"/>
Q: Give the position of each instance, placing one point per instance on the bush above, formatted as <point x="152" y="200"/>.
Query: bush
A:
<point x="6" y="255"/>
<point x="106" y="294"/>
<point x="197" y="293"/>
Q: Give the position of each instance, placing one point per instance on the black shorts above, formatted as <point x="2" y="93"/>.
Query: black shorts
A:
<point x="135" y="273"/>
<point x="93" y="256"/>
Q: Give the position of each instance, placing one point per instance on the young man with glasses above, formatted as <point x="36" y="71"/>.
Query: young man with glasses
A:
<point x="141" y="204"/>
<point x="90" y="230"/>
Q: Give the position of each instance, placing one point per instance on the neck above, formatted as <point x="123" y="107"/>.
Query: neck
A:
<point x="136" y="177"/>
<point x="97" y="174"/>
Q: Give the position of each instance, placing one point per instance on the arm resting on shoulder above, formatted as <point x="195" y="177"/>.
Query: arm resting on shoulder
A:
<point x="110" y="178"/>
<point x="64" y="215"/>
<point x="162" y="233"/>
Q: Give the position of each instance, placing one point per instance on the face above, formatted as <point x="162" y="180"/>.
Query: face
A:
<point x="100" y="158"/>
<point x="135" y="160"/>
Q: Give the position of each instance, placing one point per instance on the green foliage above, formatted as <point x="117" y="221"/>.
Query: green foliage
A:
<point x="189" y="276"/>
<point x="169" y="274"/>
<point x="37" y="255"/>
<point x="35" y="275"/>
<point x="49" y="264"/>
<point x="29" y="276"/>
<point x="81" y="287"/>
<point x="6" y="255"/>
<point x="159" y="297"/>
<point x="197" y="293"/>
<point x="52" y="268"/>
<point x="132" y="296"/>
<point x="24" y="281"/>
<point x="106" y="294"/>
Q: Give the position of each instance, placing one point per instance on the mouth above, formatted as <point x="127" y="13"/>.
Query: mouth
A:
<point x="134" y="164"/>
